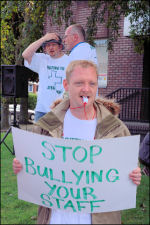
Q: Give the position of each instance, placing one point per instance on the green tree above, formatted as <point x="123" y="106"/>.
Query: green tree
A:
<point x="22" y="22"/>
<point x="111" y="12"/>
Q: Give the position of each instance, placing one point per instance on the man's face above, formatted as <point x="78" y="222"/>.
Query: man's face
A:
<point x="82" y="82"/>
<point x="53" y="49"/>
<point x="68" y="39"/>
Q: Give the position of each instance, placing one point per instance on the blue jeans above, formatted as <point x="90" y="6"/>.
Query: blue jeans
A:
<point x="38" y="115"/>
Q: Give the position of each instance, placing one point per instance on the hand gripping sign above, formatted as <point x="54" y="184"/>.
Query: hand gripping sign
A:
<point x="76" y="175"/>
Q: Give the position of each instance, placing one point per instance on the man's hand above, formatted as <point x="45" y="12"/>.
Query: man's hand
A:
<point x="32" y="48"/>
<point x="135" y="176"/>
<point x="17" y="166"/>
<point x="55" y="103"/>
<point x="50" y="36"/>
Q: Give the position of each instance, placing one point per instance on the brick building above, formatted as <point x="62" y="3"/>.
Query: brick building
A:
<point x="32" y="87"/>
<point x="121" y="68"/>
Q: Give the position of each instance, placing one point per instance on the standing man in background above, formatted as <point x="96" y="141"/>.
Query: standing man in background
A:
<point x="50" y="66"/>
<point x="74" y="41"/>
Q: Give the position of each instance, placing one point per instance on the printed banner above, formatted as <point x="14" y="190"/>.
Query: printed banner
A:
<point x="76" y="175"/>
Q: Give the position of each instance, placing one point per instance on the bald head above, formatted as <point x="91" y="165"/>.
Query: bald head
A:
<point x="74" y="34"/>
<point x="78" y="29"/>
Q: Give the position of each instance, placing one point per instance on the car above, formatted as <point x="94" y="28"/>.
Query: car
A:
<point x="31" y="113"/>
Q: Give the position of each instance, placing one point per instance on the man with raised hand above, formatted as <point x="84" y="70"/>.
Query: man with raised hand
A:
<point x="50" y="66"/>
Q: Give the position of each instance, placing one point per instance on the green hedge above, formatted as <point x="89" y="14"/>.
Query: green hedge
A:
<point x="32" y="99"/>
<point x="10" y="100"/>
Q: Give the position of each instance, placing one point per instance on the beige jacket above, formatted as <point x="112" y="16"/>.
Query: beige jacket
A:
<point x="108" y="126"/>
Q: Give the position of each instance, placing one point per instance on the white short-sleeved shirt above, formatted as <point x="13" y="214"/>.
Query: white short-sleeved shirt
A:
<point x="75" y="128"/>
<point x="51" y="74"/>
<point x="83" y="51"/>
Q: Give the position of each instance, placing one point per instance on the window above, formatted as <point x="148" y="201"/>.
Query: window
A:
<point x="37" y="86"/>
<point x="102" y="57"/>
<point x="127" y="25"/>
<point x="140" y="20"/>
<point x="30" y="87"/>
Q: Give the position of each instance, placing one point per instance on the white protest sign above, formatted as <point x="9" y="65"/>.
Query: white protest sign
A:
<point x="76" y="175"/>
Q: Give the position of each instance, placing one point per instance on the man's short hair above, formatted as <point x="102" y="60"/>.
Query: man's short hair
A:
<point x="82" y="63"/>
<point x="79" y="29"/>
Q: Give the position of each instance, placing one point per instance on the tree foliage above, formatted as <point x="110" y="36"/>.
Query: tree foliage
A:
<point x="111" y="12"/>
<point x="23" y="22"/>
<point x="140" y="23"/>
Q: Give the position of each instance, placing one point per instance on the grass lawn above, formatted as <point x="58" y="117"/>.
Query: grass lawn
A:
<point x="14" y="211"/>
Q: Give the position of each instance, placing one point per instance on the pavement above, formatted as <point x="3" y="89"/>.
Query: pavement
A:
<point x="134" y="127"/>
<point x="27" y="127"/>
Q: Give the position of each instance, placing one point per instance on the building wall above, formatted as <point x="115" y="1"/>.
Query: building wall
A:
<point x="125" y="66"/>
<point x="34" y="86"/>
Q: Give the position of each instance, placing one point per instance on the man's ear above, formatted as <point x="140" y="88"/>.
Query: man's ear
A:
<point x="76" y="37"/>
<point x="65" y="84"/>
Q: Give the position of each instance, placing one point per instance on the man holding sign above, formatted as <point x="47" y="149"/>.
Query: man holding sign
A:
<point x="81" y="117"/>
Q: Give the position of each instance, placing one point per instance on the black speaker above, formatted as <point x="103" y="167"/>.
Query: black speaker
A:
<point x="15" y="80"/>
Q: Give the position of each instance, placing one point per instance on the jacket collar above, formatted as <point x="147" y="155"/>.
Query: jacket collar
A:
<point x="54" y="119"/>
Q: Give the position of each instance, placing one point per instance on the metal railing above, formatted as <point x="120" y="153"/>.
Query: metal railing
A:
<point x="134" y="103"/>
